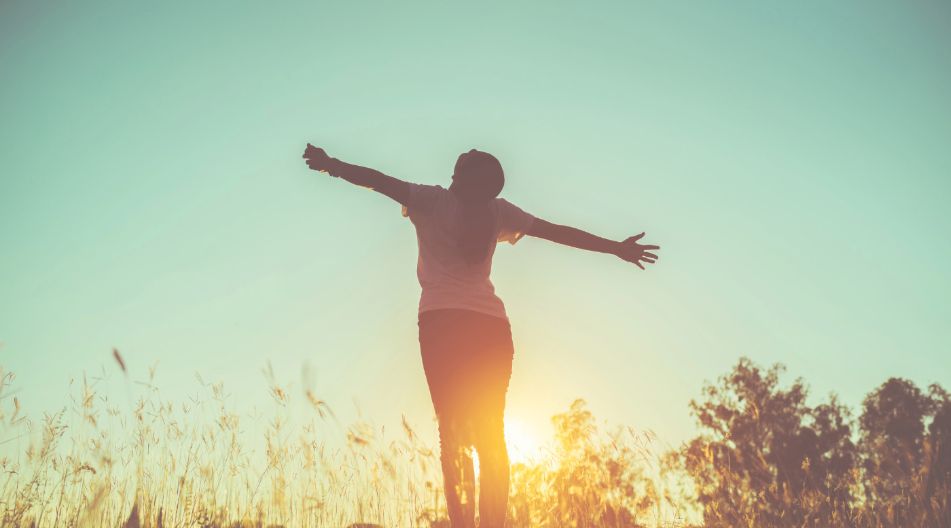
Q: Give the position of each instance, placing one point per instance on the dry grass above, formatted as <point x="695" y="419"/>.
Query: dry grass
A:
<point x="162" y="463"/>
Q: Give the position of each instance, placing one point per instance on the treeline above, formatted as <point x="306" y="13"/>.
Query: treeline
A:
<point x="764" y="457"/>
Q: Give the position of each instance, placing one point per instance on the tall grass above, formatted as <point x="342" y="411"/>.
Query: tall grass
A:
<point x="763" y="457"/>
<point x="165" y="463"/>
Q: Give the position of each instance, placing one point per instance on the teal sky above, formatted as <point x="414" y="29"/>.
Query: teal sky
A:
<point x="792" y="159"/>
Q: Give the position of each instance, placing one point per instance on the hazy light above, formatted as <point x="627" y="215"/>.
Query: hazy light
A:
<point x="524" y="444"/>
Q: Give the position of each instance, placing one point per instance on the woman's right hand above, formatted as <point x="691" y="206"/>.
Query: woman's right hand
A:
<point x="635" y="253"/>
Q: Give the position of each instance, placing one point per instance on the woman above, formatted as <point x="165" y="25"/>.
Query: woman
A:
<point x="464" y="335"/>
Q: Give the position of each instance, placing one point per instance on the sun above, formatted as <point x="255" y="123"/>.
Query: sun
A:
<point x="522" y="442"/>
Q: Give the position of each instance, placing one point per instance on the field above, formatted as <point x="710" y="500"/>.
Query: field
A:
<point x="763" y="458"/>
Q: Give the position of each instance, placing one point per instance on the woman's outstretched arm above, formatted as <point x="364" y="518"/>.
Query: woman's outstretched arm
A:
<point x="628" y="249"/>
<point x="395" y="188"/>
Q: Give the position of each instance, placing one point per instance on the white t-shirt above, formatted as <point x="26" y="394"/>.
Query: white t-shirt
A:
<point x="447" y="279"/>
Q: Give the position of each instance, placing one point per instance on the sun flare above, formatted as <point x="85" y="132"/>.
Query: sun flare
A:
<point x="522" y="442"/>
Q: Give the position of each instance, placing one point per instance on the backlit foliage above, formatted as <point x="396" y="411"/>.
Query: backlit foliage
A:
<point x="765" y="456"/>
<point x="193" y="463"/>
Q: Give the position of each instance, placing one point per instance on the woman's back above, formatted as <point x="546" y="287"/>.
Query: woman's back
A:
<point x="449" y="275"/>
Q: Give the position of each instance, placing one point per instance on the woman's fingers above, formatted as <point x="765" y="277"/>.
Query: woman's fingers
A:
<point x="316" y="157"/>
<point x="637" y="254"/>
<point x="313" y="152"/>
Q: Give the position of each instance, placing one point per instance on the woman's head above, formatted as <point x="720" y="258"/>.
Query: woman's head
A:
<point x="477" y="179"/>
<point x="478" y="176"/>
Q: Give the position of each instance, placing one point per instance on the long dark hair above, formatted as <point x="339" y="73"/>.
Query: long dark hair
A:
<point x="478" y="178"/>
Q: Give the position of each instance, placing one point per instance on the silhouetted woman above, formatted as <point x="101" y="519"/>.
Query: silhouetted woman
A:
<point x="464" y="335"/>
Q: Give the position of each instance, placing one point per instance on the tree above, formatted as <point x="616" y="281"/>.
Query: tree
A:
<point x="906" y="452"/>
<point x="765" y="458"/>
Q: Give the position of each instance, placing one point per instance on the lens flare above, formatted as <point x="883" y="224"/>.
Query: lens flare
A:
<point x="522" y="442"/>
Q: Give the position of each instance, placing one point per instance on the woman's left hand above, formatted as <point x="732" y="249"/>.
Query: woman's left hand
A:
<point x="317" y="158"/>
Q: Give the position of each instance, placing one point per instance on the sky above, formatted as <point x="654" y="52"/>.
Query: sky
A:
<point x="791" y="158"/>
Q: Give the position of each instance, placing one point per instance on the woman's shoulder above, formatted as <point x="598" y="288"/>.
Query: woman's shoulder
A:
<point x="504" y="206"/>
<point x="423" y="190"/>
<point x="424" y="198"/>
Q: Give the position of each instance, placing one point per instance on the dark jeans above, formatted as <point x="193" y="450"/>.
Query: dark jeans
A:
<point x="467" y="357"/>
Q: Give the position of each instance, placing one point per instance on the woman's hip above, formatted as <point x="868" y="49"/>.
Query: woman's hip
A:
<point x="464" y="334"/>
<point x="467" y="357"/>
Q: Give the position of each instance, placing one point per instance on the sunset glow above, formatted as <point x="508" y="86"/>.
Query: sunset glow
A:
<point x="207" y="320"/>
<point x="524" y="444"/>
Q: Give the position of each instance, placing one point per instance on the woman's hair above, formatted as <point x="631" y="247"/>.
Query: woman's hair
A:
<point x="477" y="180"/>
